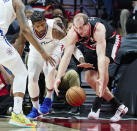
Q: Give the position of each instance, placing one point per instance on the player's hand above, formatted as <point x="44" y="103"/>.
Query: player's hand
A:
<point x="49" y="59"/>
<point x="56" y="85"/>
<point x="99" y="88"/>
<point x="86" y="65"/>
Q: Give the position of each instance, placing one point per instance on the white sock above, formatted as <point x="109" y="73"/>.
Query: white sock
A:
<point x="49" y="94"/>
<point x="36" y="104"/>
<point x="17" y="109"/>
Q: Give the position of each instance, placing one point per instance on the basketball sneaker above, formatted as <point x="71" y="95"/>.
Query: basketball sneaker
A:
<point x="122" y="110"/>
<point x="95" y="110"/>
<point x="94" y="115"/>
<point x="33" y="114"/>
<point x="21" y="120"/>
<point x="46" y="106"/>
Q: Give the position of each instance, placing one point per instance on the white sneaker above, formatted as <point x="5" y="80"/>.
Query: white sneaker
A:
<point x="122" y="110"/>
<point x="94" y="115"/>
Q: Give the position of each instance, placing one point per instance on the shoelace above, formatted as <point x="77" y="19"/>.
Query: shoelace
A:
<point x="24" y="119"/>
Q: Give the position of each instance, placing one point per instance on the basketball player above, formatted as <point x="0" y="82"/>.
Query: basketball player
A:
<point x="101" y="43"/>
<point x="49" y="35"/>
<point x="9" y="10"/>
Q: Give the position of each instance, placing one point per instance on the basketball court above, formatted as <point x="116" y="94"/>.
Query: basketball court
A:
<point x="70" y="122"/>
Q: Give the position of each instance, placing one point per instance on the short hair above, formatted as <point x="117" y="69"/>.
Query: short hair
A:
<point x="57" y="12"/>
<point x="37" y="16"/>
<point x="131" y="26"/>
<point x="84" y="16"/>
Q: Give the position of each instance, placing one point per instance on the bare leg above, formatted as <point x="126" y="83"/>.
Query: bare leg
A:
<point x="90" y="77"/>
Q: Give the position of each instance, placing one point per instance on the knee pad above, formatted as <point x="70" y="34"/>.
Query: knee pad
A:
<point x="33" y="76"/>
<point x="48" y="70"/>
<point x="33" y="84"/>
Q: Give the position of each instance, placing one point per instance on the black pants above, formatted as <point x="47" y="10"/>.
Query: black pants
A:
<point x="6" y="101"/>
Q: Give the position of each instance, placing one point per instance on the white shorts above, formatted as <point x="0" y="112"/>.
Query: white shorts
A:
<point x="7" y="51"/>
<point x="37" y="64"/>
<point x="10" y="59"/>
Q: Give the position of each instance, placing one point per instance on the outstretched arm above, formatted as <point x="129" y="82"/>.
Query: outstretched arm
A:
<point x="19" y="43"/>
<point x="101" y="57"/>
<point x="70" y="41"/>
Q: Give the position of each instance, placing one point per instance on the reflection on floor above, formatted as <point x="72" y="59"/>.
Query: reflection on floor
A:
<point x="49" y="123"/>
<point x="42" y="126"/>
<point x="94" y="125"/>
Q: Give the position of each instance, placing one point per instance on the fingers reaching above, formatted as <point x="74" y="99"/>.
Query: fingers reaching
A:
<point x="51" y="61"/>
<point x="86" y="65"/>
<point x="57" y="83"/>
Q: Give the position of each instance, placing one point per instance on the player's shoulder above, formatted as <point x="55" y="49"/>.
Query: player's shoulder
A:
<point x="72" y="34"/>
<point x="100" y="27"/>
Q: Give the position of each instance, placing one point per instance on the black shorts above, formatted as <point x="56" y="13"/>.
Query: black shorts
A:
<point x="111" y="50"/>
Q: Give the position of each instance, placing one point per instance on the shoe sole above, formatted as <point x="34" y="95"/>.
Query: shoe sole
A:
<point x="36" y="118"/>
<point x="92" y="118"/>
<point x="21" y="125"/>
<point x="43" y="113"/>
<point x="122" y="114"/>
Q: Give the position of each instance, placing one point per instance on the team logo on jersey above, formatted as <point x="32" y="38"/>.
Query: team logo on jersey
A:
<point x="91" y="39"/>
<point x="93" y="46"/>
<point x="9" y="51"/>
<point x="44" y="42"/>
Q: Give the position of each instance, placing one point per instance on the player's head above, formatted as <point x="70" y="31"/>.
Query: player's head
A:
<point x="39" y="22"/>
<point x="80" y="23"/>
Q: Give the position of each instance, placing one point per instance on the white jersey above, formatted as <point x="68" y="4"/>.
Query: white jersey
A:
<point x="7" y="15"/>
<point x="52" y="46"/>
<point x="48" y="43"/>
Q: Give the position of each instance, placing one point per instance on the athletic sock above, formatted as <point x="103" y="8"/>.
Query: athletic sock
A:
<point x="36" y="104"/>
<point x="17" y="109"/>
<point x="97" y="104"/>
<point x="115" y="102"/>
<point x="49" y="94"/>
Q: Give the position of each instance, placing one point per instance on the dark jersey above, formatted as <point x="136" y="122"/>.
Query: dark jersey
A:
<point x="90" y="42"/>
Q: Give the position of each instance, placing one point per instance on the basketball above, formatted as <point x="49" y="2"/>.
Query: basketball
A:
<point x="75" y="96"/>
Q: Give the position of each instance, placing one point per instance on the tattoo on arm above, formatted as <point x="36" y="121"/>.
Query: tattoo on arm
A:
<point x="58" y="33"/>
